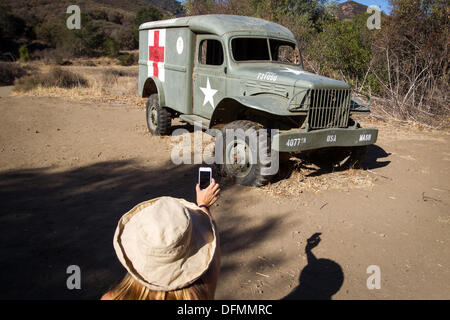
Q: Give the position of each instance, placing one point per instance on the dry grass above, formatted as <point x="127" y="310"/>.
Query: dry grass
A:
<point x="105" y="83"/>
<point x="303" y="177"/>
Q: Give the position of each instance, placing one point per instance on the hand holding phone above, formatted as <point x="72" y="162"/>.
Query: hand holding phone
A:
<point x="207" y="196"/>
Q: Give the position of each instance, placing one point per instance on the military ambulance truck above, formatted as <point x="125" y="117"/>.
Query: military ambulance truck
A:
<point x="235" y="72"/>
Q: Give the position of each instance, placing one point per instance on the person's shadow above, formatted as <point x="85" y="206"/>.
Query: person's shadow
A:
<point x="320" y="279"/>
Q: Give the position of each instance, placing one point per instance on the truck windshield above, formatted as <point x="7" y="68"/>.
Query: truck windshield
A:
<point x="262" y="49"/>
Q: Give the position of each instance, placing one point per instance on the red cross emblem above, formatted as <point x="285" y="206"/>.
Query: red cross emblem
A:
<point x="156" y="51"/>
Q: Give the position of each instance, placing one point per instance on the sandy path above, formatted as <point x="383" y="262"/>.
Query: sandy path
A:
<point x="69" y="170"/>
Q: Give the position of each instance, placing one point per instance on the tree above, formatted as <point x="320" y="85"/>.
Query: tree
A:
<point x="411" y="52"/>
<point x="11" y="27"/>
<point x="146" y="14"/>
<point x="111" y="47"/>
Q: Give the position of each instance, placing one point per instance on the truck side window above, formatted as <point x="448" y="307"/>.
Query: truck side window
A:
<point x="211" y="52"/>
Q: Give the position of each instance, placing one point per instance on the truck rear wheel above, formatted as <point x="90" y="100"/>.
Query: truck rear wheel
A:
<point x="158" y="118"/>
<point x="239" y="155"/>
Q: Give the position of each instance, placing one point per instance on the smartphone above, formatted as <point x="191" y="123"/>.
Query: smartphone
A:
<point x="204" y="177"/>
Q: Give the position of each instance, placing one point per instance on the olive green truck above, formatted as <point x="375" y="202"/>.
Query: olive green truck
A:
<point x="231" y="72"/>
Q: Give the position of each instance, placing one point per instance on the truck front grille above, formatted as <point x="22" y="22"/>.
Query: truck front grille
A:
<point x="329" y="108"/>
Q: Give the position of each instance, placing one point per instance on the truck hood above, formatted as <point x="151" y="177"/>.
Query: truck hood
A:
<point x="286" y="76"/>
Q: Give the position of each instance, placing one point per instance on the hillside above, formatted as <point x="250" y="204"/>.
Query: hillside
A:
<point x="349" y="9"/>
<point x="46" y="9"/>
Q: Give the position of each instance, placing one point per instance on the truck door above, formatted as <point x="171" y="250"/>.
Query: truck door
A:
<point x="209" y="83"/>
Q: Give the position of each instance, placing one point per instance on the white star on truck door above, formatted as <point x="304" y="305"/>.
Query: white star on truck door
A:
<point x="209" y="93"/>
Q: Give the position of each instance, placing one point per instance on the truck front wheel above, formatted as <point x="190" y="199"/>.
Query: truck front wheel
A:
<point x="241" y="156"/>
<point x="158" y="118"/>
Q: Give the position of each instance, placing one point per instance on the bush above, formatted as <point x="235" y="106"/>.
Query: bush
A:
<point x="26" y="84"/>
<point x="87" y="41"/>
<point x="115" y="17"/>
<point x="9" y="71"/>
<point x="57" y="77"/>
<point x="343" y="46"/>
<point x="24" y="54"/>
<point x="11" y="26"/>
<point x="127" y="59"/>
<point x="125" y="38"/>
<point x="52" y="56"/>
<point x="111" y="48"/>
<point x="145" y="15"/>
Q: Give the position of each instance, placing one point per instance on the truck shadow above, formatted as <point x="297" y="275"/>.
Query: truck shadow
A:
<point x="320" y="279"/>
<point x="51" y="219"/>
<point x="314" y="168"/>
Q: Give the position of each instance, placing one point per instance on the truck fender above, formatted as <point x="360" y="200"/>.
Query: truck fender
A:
<point x="229" y="108"/>
<point x="153" y="85"/>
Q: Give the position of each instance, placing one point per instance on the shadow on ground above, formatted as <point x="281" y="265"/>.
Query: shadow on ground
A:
<point x="317" y="164"/>
<point x="51" y="219"/>
<point x="320" y="279"/>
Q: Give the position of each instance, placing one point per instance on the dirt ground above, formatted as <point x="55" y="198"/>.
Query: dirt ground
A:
<point x="70" y="169"/>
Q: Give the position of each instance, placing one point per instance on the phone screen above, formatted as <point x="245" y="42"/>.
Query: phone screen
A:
<point x="205" y="179"/>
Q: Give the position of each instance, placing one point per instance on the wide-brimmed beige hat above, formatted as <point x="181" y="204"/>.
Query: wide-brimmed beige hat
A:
<point x="165" y="243"/>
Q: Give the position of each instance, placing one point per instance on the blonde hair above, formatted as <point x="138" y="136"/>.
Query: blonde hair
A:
<point x="130" y="289"/>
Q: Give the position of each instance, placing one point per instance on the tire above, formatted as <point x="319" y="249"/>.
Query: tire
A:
<point x="248" y="173"/>
<point x="159" y="119"/>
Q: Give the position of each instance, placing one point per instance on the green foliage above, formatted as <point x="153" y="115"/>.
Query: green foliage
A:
<point x="111" y="48"/>
<point x="125" y="37"/>
<point x="24" y="54"/>
<point x="86" y="41"/>
<point x="147" y="14"/>
<point x="344" y="45"/>
<point x="127" y="59"/>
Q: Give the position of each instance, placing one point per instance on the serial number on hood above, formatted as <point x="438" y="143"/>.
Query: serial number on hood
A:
<point x="269" y="76"/>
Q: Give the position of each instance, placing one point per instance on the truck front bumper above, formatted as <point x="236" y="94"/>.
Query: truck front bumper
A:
<point x="297" y="140"/>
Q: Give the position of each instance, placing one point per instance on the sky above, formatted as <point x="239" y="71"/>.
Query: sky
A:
<point x="383" y="4"/>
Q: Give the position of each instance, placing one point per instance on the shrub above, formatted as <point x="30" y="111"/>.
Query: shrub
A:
<point x="26" y="83"/>
<point x="57" y="77"/>
<point x="127" y="59"/>
<point x="111" y="48"/>
<point x="125" y="38"/>
<point x="115" y="17"/>
<point x="51" y="56"/>
<point x="9" y="71"/>
<point x="24" y="54"/>
<point x="86" y="41"/>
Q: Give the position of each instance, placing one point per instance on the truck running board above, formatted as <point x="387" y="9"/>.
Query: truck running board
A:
<point x="194" y="119"/>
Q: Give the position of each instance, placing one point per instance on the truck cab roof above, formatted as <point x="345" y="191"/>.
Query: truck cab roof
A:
<point x="221" y="24"/>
